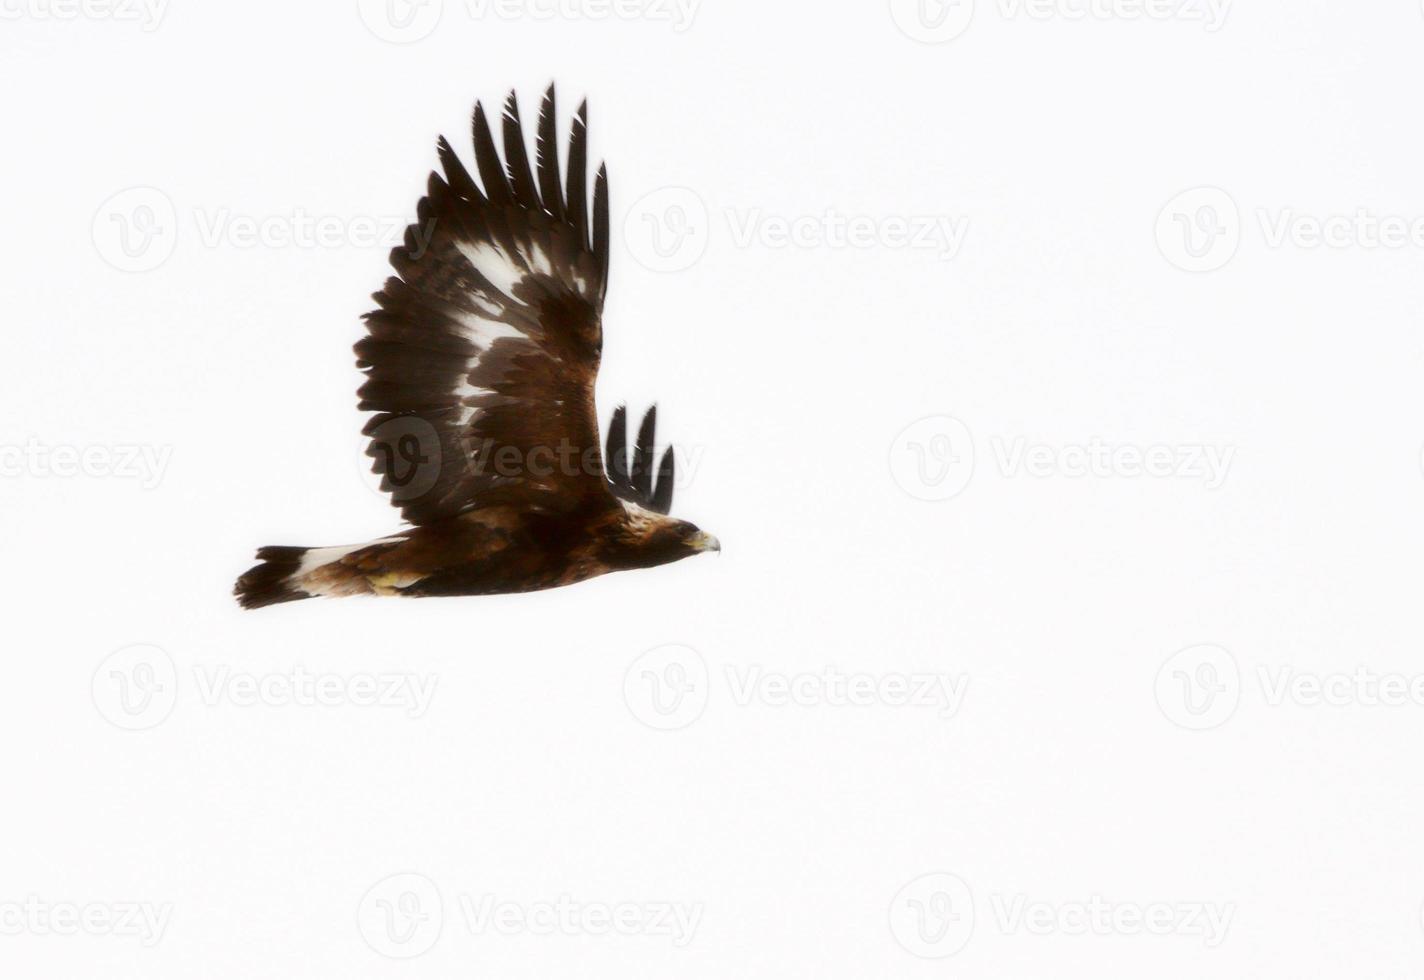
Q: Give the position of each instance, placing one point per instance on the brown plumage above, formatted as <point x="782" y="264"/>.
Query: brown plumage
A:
<point x="480" y="365"/>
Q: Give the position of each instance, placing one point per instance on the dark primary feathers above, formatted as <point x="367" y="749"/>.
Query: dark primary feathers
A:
<point x="481" y="359"/>
<point x="632" y="480"/>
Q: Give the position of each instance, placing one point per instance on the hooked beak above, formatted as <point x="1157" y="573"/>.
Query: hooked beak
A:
<point x="702" y="541"/>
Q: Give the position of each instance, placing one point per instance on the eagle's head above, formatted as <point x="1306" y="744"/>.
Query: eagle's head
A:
<point x="646" y="539"/>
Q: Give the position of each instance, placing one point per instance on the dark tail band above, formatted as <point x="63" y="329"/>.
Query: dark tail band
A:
<point x="267" y="583"/>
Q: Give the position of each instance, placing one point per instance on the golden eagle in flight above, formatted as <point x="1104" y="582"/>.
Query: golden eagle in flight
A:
<point x="480" y="365"/>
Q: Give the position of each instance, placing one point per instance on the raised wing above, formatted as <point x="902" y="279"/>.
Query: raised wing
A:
<point x="630" y="475"/>
<point x="481" y="359"/>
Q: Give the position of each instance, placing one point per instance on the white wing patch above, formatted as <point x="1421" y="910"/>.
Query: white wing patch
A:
<point x="539" y="261"/>
<point x="493" y="309"/>
<point x="483" y="332"/>
<point x="504" y="274"/>
<point x="502" y="271"/>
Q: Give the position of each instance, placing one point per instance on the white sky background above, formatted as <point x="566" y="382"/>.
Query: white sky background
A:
<point x="1141" y="460"/>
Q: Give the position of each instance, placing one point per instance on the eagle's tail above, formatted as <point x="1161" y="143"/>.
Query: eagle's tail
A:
<point x="273" y="579"/>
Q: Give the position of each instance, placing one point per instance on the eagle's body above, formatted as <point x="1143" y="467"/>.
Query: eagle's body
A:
<point x="480" y="367"/>
<point x="486" y="551"/>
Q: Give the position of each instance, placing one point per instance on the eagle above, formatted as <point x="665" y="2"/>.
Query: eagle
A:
<point x="480" y="361"/>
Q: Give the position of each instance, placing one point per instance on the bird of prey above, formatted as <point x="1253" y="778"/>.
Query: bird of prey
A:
<point x="480" y="365"/>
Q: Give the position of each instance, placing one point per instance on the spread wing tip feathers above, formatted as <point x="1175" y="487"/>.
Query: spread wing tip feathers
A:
<point x="511" y="178"/>
<point x="630" y="474"/>
<point x="508" y="179"/>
